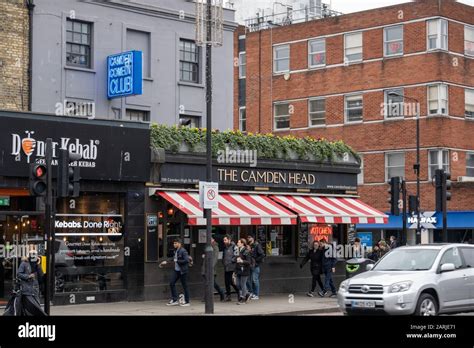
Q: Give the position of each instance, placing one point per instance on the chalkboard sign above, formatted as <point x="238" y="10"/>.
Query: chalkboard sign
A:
<point x="152" y="237"/>
<point x="303" y="238"/>
<point x="262" y="237"/>
<point x="351" y="234"/>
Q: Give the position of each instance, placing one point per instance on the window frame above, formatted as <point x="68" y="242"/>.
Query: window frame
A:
<point x="281" y="116"/>
<point x="466" y="28"/>
<point x="387" y="42"/>
<point x="310" y="113"/>
<point x="439" y="35"/>
<point x="347" y="61"/>
<point x="242" y="109"/>
<point x="145" y="113"/>
<point x="196" y="63"/>
<point x="386" y="103"/>
<point x="88" y="46"/>
<point x="242" y="67"/>
<point x="466" y="91"/>
<point x="311" y="54"/>
<point x="348" y="96"/>
<point x="440" y="159"/>
<point x="275" y="59"/>
<point x="468" y="154"/>
<point x="439" y="87"/>
<point x="387" y="167"/>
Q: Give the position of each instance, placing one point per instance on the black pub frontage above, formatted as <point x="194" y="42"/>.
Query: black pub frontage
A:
<point x="99" y="240"/>
<point x="285" y="204"/>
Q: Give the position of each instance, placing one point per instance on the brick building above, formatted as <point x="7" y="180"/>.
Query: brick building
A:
<point x="358" y="78"/>
<point x="14" y="55"/>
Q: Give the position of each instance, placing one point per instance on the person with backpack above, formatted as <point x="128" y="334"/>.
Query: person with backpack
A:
<point x="242" y="270"/>
<point x="258" y="255"/>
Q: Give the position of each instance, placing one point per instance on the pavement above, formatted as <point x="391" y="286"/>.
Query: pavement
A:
<point x="298" y="304"/>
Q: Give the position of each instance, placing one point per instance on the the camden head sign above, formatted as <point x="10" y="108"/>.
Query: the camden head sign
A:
<point x="124" y="74"/>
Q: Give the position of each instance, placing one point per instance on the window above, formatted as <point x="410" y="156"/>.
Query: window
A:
<point x="438" y="99"/>
<point x="453" y="256"/>
<point x="282" y="116"/>
<point x="469" y="102"/>
<point x="393" y="41"/>
<point x="360" y="176"/>
<point x="469" y="40"/>
<point x="140" y="41"/>
<point x="242" y="65"/>
<point x="354" y="108"/>
<point x="137" y="115"/>
<point x="394" y="165"/>
<point x="243" y="119"/>
<point x="188" y="61"/>
<point x="190" y="121"/>
<point x="468" y="254"/>
<point x="279" y="241"/>
<point x="437" y="34"/>
<point x="394" y="106"/>
<point x="438" y="159"/>
<point x="281" y="58"/>
<point x="78" y="43"/>
<point x="353" y="47"/>
<point x="317" y="112"/>
<point x="470" y="165"/>
<point x="317" y="53"/>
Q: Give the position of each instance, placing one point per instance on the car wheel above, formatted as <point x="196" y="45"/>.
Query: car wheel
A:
<point x="426" y="306"/>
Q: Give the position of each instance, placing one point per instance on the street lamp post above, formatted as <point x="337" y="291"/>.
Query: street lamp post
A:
<point x="416" y="166"/>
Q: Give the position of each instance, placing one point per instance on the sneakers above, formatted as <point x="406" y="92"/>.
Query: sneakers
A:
<point x="322" y="293"/>
<point x="247" y="297"/>
<point x="310" y="294"/>
<point x="172" y="303"/>
<point x="254" y="297"/>
<point x="241" y="302"/>
<point x="333" y="294"/>
<point x="185" y="304"/>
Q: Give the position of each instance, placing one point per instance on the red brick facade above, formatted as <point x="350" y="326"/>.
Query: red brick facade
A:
<point x="375" y="136"/>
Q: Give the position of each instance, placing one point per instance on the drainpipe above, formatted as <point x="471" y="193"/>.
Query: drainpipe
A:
<point x="30" y="4"/>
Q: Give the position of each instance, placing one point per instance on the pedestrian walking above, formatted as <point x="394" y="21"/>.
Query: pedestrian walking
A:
<point x="258" y="255"/>
<point x="229" y="262"/>
<point x="393" y="242"/>
<point x="329" y="264"/>
<point x="315" y="256"/>
<point x="215" y="257"/>
<point x="181" y="262"/>
<point x="242" y="270"/>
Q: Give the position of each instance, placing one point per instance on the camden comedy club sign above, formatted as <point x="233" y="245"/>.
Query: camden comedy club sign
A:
<point x="124" y="74"/>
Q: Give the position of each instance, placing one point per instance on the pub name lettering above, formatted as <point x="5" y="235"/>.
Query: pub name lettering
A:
<point x="265" y="177"/>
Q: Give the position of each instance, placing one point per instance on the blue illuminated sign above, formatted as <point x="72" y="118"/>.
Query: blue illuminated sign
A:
<point x="124" y="74"/>
<point x="365" y="238"/>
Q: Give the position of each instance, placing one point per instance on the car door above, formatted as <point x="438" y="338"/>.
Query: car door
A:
<point x="468" y="256"/>
<point x="453" y="285"/>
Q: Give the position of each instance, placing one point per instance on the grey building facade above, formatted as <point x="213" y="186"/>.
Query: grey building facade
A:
<point x="72" y="40"/>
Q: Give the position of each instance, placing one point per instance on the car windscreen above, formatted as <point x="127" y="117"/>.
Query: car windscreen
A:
<point x="407" y="260"/>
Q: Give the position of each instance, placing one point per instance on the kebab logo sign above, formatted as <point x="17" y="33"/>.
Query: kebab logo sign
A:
<point x="27" y="146"/>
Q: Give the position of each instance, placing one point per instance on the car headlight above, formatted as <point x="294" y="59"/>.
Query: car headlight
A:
<point x="400" y="287"/>
<point x="344" y="287"/>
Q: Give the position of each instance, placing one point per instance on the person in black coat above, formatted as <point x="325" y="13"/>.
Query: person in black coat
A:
<point x="242" y="270"/>
<point x="315" y="256"/>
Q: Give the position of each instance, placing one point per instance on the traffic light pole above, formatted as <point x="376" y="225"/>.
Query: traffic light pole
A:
<point x="404" y="214"/>
<point x="48" y="225"/>
<point x="445" y="207"/>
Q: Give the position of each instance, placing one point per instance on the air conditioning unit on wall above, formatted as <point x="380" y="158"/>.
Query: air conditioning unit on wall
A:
<point x="465" y="178"/>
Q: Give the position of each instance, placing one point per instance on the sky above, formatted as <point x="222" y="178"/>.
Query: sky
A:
<point x="248" y="8"/>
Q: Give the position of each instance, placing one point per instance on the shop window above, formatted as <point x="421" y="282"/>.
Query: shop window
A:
<point x="394" y="106"/>
<point x="189" y="61"/>
<point x="279" y="241"/>
<point x="242" y="65"/>
<point x="470" y="164"/>
<point x="353" y="47"/>
<point x="78" y="43"/>
<point x="394" y="165"/>
<point x="317" y="112"/>
<point x="281" y="59"/>
<point x="282" y="116"/>
<point x="393" y="41"/>
<point x="437" y="34"/>
<point x="137" y="115"/>
<point x="243" y="119"/>
<point x="317" y="53"/>
<point x="438" y="159"/>
<point x="354" y="106"/>
<point x="469" y="40"/>
<point x="469" y="103"/>
<point x="438" y="99"/>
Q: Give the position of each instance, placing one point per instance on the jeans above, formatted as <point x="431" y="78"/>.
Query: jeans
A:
<point x="229" y="283"/>
<point x="184" y="282"/>
<point x="242" y="285"/>
<point x="253" y="283"/>
<point x="316" y="280"/>
<point x="328" y="282"/>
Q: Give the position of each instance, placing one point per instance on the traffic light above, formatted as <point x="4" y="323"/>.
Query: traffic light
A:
<point x="448" y="184"/>
<point x="68" y="177"/>
<point x="413" y="204"/>
<point x="38" y="179"/>
<point x="443" y="186"/>
<point x="394" y="192"/>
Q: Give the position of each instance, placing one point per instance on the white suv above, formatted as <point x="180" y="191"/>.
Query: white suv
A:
<point x="418" y="280"/>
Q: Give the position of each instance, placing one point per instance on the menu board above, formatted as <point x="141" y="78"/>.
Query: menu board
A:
<point x="303" y="237"/>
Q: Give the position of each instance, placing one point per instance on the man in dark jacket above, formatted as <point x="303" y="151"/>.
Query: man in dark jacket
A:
<point x="393" y="242"/>
<point x="258" y="255"/>
<point x="315" y="256"/>
<point x="329" y="264"/>
<point x="29" y="286"/>
<point x="215" y="257"/>
<point x="181" y="261"/>
<point x="229" y="259"/>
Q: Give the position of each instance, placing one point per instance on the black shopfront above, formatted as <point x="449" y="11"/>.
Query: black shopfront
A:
<point x="270" y="201"/>
<point x="99" y="236"/>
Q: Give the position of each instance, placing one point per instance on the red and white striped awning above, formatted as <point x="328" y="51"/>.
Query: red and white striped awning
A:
<point x="233" y="209"/>
<point x="332" y="210"/>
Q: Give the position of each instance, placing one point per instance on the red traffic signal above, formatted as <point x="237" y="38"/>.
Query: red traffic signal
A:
<point x="38" y="184"/>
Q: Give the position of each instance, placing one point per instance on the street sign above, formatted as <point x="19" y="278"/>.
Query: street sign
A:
<point x="4" y="201"/>
<point x="208" y="195"/>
